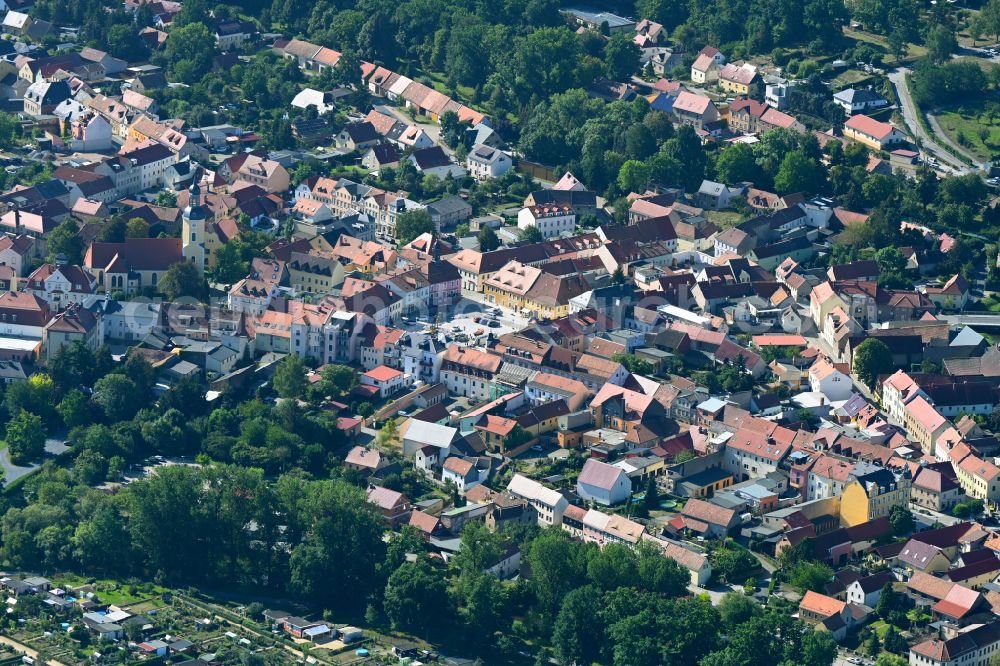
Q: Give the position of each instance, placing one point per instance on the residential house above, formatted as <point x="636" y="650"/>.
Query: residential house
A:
<point x="603" y="484"/>
<point x="936" y="487"/>
<point x="740" y="79"/>
<point x="551" y="221"/>
<point x="953" y="295"/>
<point x="695" y="110"/>
<point x="975" y="647"/>
<point x="74" y="324"/>
<point x="61" y="285"/>
<point x="826" y="378"/>
<point x="868" y="590"/>
<point x="469" y="372"/>
<point x="873" y="495"/>
<point x="388" y="381"/>
<point x="705" y="69"/>
<point x="708" y="519"/>
<point x="485" y="162"/>
<point x="394" y="506"/>
<point x="856" y="100"/>
<point x="872" y="133"/>
<point x="548" y="504"/>
<point x="434" y="161"/>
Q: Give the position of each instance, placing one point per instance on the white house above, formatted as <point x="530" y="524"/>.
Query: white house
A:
<point x="418" y="434"/>
<point x="462" y="472"/>
<point x="602" y="483"/>
<point x="855" y="100"/>
<point x="549" y="504"/>
<point x="485" y="162"/>
<point x="825" y="378"/>
<point x="868" y="590"/>
<point x="60" y="286"/>
<point x="552" y="221"/>
<point x="388" y="381"/>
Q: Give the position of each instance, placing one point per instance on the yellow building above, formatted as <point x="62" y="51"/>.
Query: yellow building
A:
<point x="979" y="478"/>
<point x="533" y="292"/>
<point x="739" y="79"/>
<point x="873" y="496"/>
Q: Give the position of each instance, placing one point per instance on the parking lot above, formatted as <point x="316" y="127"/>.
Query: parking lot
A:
<point x="471" y="321"/>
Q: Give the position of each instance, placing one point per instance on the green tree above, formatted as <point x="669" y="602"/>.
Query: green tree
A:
<point x="137" y="228"/>
<point x="114" y="231"/>
<point x="736" y="608"/>
<point x="415" y="596"/>
<point x="530" y="234"/>
<point x="189" y="50"/>
<point x="799" y="173"/>
<point x="940" y="43"/>
<point x="25" y="438"/>
<point x="901" y="520"/>
<point x="633" y="176"/>
<point x="74" y="409"/>
<point x="90" y="467"/>
<point x="893" y="642"/>
<point x="117" y="396"/>
<point x="290" y="378"/>
<point x="183" y="280"/>
<point x="387" y="434"/>
<point x="166" y="199"/>
<point x="488" y="240"/>
<point x="810" y="576"/>
<point x="736" y="164"/>
<point x="558" y="565"/>
<point x="886" y="659"/>
<point x="338" y="379"/>
<point x="65" y="241"/>
<point x="577" y="635"/>
<point x="10" y="130"/>
<point x="413" y="223"/>
<point x="621" y="57"/>
<point x="732" y="564"/>
<point x="871" y="359"/>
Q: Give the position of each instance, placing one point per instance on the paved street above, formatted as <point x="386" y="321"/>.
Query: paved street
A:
<point x="909" y="111"/>
<point x="12" y="472"/>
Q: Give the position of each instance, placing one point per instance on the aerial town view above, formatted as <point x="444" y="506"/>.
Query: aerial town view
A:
<point x="500" y="332"/>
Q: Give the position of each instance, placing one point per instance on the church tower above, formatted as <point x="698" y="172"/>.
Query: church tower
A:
<point x="193" y="228"/>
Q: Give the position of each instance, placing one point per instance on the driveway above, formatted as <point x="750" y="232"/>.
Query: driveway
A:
<point x="928" y="143"/>
<point x="12" y="472"/>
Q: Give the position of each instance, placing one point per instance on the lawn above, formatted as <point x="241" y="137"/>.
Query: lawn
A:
<point x="851" y="78"/>
<point x="724" y="218"/>
<point x="975" y="127"/>
<point x="913" y="51"/>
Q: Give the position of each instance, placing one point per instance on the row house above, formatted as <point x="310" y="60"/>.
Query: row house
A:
<point x="61" y="285"/>
<point x="469" y="372"/>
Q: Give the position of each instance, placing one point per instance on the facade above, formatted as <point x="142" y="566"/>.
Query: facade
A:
<point x="552" y="221"/>
<point x="872" y="496"/>
<point x="873" y="133"/>
<point x="603" y="484"/>
<point x="549" y="504"/>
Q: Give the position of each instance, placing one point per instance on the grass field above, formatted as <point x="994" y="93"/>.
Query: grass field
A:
<point x="913" y="51"/>
<point x="974" y="127"/>
<point x="850" y="78"/>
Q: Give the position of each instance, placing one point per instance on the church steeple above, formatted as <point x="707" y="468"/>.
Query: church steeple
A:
<point x="193" y="224"/>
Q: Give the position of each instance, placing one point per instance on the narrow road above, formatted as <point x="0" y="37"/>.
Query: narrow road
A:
<point x="909" y="111"/>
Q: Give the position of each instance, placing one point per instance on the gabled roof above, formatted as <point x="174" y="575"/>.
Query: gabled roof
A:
<point x="821" y="605"/>
<point x="600" y="474"/>
<point x="708" y="512"/>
